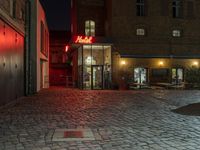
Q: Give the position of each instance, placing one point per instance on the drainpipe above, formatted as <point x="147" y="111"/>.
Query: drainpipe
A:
<point x="27" y="49"/>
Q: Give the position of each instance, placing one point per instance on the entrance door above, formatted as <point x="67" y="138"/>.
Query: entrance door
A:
<point x="97" y="77"/>
<point x="140" y="76"/>
<point x="177" y="75"/>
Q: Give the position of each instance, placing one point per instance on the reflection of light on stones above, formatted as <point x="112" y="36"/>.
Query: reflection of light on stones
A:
<point x="73" y="135"/>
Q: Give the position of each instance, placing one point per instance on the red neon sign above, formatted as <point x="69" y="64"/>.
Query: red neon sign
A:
<point x="84" y="39"/>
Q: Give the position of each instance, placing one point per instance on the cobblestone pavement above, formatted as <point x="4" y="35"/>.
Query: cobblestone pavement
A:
<point x="120" y="120"/>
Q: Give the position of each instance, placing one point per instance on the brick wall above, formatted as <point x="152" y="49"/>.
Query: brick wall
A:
<point x="91" y="10"/>
<point x="158" y="24"/>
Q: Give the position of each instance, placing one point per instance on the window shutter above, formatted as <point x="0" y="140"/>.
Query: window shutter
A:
<point x="190" y="9"/>
<point x="164" y="7"/>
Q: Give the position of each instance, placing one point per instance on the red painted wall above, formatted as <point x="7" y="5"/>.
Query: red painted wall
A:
<point x="11" y="64"/>
<point x="57" y="76"/>
<point x="59" y="67"/>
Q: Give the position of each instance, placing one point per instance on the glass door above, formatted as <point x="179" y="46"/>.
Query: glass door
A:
<point x="140" y="76"/>
<point x="97" y="77"/>
<point x="177" y="75"/>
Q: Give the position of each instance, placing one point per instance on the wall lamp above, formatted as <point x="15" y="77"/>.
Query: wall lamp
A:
<point x="195" y="63"/>
<point x="123" y="62"/>
<point x="161" y="63"/>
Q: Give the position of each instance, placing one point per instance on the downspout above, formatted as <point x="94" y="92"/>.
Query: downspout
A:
<point x="27" y="49"/>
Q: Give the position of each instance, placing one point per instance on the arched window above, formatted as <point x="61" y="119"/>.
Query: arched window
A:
<point x="89" y="28"/>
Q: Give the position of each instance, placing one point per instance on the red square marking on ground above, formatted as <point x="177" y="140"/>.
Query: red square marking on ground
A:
<point x="73" y="134"/>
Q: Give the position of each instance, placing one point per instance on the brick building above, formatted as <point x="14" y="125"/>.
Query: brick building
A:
<point x="91" y="46"/>
<point x="153" y="41"/>
<point x="159" y="40"/>
<point x="12" y="33"/>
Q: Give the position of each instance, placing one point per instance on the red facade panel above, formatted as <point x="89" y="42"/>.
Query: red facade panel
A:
<point x="12" y="64"/>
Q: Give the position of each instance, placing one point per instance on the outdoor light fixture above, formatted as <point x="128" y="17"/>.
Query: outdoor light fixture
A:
<point x="123" y="62"/>
<point x="195" y="63"/>
<point x="161" y="63"/>
<point x="66" y="48"/>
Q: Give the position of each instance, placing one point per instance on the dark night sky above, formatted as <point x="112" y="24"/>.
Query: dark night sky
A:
<point x="57" y="13"/>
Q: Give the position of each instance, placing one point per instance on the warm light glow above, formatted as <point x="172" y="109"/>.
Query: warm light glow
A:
<point x="123" y="62"/>
<point x="88" y="60"/>
<point x="66" y="48"/>
<point x="161" y="63"/>
<point x="195" y="63"/>
<point x="84" y="39"/>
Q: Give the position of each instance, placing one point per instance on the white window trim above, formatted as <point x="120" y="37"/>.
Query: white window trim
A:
<point x="90" y="28"/>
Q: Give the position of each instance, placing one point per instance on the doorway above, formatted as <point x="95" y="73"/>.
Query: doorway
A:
<point x="140" y="75"/>
<point x="97" y="77"/>
<point x="94" y="67"/>
<point x="177" y="75"/>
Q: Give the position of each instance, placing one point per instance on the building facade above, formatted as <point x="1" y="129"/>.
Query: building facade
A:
<point x="38" y="48"/>
<point x="24" y="47"/>
<point x="153" y="41"/>
<point x="90" y="46"/>
<point x="156" y="40"/>
<point x="12" y="33"/>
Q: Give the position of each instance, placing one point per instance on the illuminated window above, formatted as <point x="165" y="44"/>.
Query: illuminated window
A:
<point x="176" y="8"/>
<point x="89" y="28"/>
<point x="140" y="31"/>
<point x="176" y="33"/>
<point x="140" y="7"/>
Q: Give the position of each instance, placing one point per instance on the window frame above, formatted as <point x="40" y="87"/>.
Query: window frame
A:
<point x="177" y="33"/>
<point x="140" y="32"/>
<point x="90" y="28"/>
<point x="176" y="8"/>
<point x="42" y="37"/>
<point x="13" y="8"/>
<point x="140" y="7"/>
